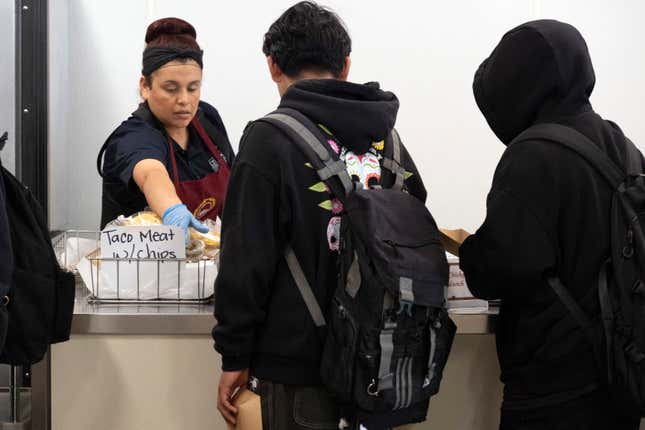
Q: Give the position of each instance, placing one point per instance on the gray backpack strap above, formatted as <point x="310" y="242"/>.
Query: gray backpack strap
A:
<point x="304" y="287"/>
<point x="332" y="167"/>
<point x="386" y="342"/>
<point x="295" y="125"/>
<point x="394" y="164"/>
<point x="577" y="142"/>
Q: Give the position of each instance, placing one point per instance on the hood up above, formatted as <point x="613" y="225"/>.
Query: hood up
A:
<point x="538" y="72"/>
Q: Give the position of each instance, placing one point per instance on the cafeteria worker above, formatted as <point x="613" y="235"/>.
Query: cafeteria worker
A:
<point x="172" y="154"/>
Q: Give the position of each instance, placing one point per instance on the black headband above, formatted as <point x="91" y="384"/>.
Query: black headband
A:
<point x="154" y="58"/>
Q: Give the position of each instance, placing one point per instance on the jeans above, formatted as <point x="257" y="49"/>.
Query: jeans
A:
<point x="294" y="407"/>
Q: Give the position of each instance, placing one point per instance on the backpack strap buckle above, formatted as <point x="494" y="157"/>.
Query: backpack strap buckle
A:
<point x="372" y="389"/>
<point x="628" y="251"/>
<point x="406" y="298"/>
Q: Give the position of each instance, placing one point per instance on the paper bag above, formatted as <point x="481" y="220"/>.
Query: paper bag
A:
<point x="249" y="411"/>
<point x="452" y="239"/>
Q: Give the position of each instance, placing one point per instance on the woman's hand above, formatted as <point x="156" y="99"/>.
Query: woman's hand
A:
<point x="180" y="216"/>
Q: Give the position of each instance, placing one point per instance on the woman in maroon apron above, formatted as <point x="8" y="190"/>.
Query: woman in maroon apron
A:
<point x="173" y="153"/>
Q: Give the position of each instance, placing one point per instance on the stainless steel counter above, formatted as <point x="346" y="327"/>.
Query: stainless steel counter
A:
<point x="163" y="319"/>
<point x="153" y="319"/>
<point x="185" y="319"/>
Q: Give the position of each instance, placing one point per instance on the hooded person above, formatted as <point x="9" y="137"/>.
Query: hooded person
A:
<point x="548" y="210"/>
<point x="275" y="198"/>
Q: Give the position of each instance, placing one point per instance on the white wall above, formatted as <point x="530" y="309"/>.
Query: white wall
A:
<point x="8" y="73"/>
<point x="93" y="86"/>
<point x="58" y="108"/>
<point x="426" y="52"/>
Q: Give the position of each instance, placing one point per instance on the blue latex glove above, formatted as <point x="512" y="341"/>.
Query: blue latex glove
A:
<point x="179" y="215"/>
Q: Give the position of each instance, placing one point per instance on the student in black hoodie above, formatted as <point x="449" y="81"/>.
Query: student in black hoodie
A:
<point x="275" y="198"/>
<point x="548" y="209"/>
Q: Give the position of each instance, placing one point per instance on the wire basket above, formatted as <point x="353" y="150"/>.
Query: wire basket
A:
<point x="80" y="241"/>
<point x="134" y="281"/>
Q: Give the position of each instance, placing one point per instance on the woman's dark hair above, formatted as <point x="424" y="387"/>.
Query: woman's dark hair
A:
<point x="308" y="37"/>
<point x="171" y="33"/>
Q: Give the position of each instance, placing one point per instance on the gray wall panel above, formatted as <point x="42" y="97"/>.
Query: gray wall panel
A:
<point x="7" y="74"/>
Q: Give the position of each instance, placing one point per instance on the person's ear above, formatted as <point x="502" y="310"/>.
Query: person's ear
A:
<point x="345" y="72"/>
<point x="274" y="70"/>
<point x="144" y="89"/>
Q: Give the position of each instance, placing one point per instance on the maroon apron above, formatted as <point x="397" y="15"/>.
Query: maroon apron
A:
<point x="204" y="197"/>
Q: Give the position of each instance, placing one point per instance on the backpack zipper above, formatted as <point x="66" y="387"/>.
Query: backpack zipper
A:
<point x="413" y="245"/>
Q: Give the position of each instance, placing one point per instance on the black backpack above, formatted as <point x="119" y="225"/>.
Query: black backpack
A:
<point x="388" y="333"/>
<point x="41" y="299"/>
<point x="6" y="256"/>
<point x="618" y="334"/>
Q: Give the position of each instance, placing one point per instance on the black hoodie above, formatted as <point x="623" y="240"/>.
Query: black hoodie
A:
<point x="262" y="321"/>
<point x="547" y="210"/>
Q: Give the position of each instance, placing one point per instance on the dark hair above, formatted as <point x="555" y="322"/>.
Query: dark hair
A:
<point x="308" y="37"/>
<point x="171" y="33"/>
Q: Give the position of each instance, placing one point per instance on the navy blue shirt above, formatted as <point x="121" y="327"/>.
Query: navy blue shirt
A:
<point x="143" y="137"/>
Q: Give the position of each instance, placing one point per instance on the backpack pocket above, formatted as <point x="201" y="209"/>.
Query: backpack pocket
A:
<point x="65" y="294"/>
<point x="30" y="317"/>
<point x="366" y="371"/>
<point x="442" y="332"/>
<point x="421" y="348"/>
<point x="339" y="352"/>
<point x="421" y="265"/>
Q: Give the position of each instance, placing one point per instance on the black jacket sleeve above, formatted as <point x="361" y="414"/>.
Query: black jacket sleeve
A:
<point x="6" y="251"/>
<point x="250" y="252"/>
<point x="512" y="249"/>
<point x="248" y="259"/>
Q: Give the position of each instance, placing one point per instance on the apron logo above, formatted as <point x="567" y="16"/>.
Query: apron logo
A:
<point x="214" y="164"/>
<point x="204" y="207"/>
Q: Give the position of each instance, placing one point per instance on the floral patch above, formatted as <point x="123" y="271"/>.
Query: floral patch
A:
<point x="334" y="146"/>
<point x="336" y="206"/>
<point x="320" y="187"/>
<point x="365" y="168"/>
<point x="326" y="205"/>
<point x="333" y="233"/>
<point x="325" y="129"/>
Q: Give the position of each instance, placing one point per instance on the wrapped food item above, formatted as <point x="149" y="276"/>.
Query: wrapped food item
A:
<point x="141" y="218"/>
<point x="210" y="239"/>
<point x="200" y="245"/>
<point x="195" y="249"/>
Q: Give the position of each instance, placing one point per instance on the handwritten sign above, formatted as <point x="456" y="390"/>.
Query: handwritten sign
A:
<point x="139" y="242"/>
